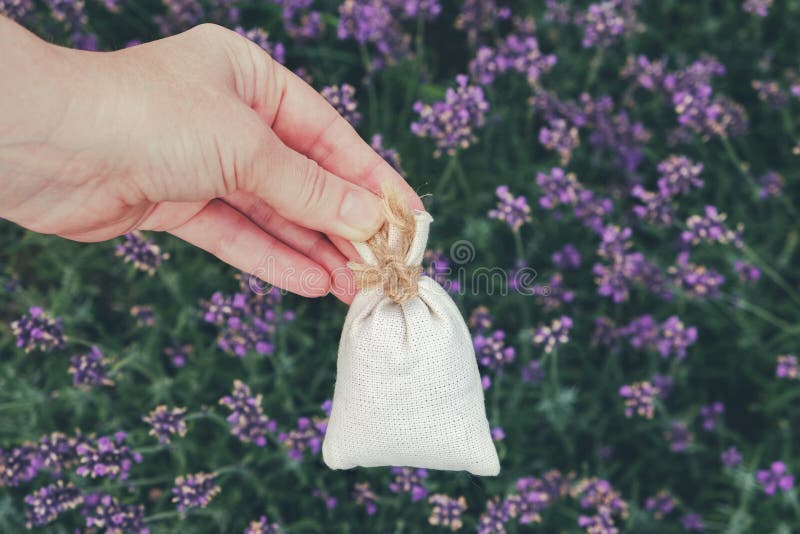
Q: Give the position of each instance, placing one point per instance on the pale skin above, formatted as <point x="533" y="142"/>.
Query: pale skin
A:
<point x="201" y="135"/>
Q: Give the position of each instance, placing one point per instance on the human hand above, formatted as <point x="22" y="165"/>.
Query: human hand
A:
<point x="201" y="135"/>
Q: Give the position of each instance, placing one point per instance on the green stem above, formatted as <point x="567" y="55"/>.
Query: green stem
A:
<point x="771" y="273"/>
<point x="373" y="98"/>
<point x="441" y="186"/>
<point x="161" y="516"/>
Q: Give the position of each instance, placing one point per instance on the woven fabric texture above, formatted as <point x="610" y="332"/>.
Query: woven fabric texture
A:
<point x="408" y="390"/>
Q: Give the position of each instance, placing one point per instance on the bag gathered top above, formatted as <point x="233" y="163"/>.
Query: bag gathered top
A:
<point x="408" y="391"/>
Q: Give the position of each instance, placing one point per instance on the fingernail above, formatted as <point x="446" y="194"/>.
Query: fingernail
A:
<point x="360" y="213"/>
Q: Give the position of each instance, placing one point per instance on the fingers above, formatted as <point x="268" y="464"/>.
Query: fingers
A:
<point x="302" y="191"/>
<point x="313" y="244"/>
<point x="233" y="238"/>
<point x="307" y="124"/>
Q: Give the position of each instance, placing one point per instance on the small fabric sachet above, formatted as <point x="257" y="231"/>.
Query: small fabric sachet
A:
<point x="408" y="391"/>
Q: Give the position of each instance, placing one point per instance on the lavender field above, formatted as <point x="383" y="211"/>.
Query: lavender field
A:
<point x="615" y="190"/>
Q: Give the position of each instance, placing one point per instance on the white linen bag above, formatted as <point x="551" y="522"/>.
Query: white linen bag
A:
<point x="408" y="391"/>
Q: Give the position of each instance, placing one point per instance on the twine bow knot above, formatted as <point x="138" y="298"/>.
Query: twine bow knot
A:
<point x="397" y="279"/>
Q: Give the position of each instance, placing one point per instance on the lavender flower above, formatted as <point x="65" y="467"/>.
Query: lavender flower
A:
<point x="692" y="522"/>
<point x="263" y="526"/>
<point x="480" y="320"/>
<point x="770" y="185"/>
<point x="71" y="13"/>
<point x="166" y="422"/>
<point x="437" y="266"/>
<point x="679" y="175"/>
<point x="178" y="354"/>
<point x="696" y="280"/>
<point x="447" y="511"/>
<point x="731" y="457"/>
<point x="771" y="93"/>
<point x="675" y="338"/>
<point x="554" y="335"/>
<point x="389" y="154"/>
<point x="46" y="504"/>
<point x="553" y="294"/>
<point x="375" y="22"/>
<point x="605" y="22"/>
<point x="757" y="7"/>
<point x="365" y="497"/>
<point x="520" y="52"/>
<point x="306" y="437"/>
<point x="409" y="480"/>
<point x="108" y="457"/>
<point x="605" y="333"/>
<point x="145" y="315"/>
<point x="20" y="464"/>
<point x="17" y="10"/>
<point x="711" y="414"/>
<point x="57" y="452"/>
<point x="661" y="504"/>
<point x="491" y="350"/>
<point x="639" y="398"/>
<point x="514" y="211"/>
<point x="597" y="493"/>
<point x="533" y="496"/>
<point x="38" y="331"/>
<point x="194" y="491"/>
<point x="479" y="16"/>
<point x="747" y="272"/>
<point x="452" y="122"/>
<point x="663" y="383"/>
<point x="260" y="37"/>
<point x="180" y="15"/>
<point x="655" y="208"/>
<point x="330" y="501"/>
<point x="247" y="419"/>
<point x="342" y="98"/>
<point x="90" y="370"/>
<point x="557" y="188"/>
<point x="679" y="436"/>
<point x="105" y="512"/>
<point x="300" y="21"/>
<point x="557" y="12"/>
<point x="494" y="519"/>
<point x="143" y="253"/>
<point x="775" y="478"/>
<point x="560" y="137"/>
<point x="787" y="367"/>
<point x="532" y="373"/>
<point x="599" y="523"/>
<point x="567" y="257"/>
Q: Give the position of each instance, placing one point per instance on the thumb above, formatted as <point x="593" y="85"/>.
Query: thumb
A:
<point x="299" y="189"/>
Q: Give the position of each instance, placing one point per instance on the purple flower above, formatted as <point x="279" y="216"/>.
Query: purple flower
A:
<point x="675" y="338"/>
<point x="71" y="13"/>
<point x="775" y="478"/>
<point x="771" y="93"/>
<point x="342" y="98"/>
<point x="696" y="280"/>
<point x="17" y="10"/>
<point x="20" y="464"/>
<point x="605" y="333"/>
<point x="480" y="16"/>
<point x="757" y="7"/>
<point x="711" y="414"/>
<point x="263" y="526"/>
<point x="45" y="504"/>
<point x="491" y="350"/>
<point x="605" y="22"/>
<point x="57" y="452"/>
<point x="598" y="493"/>
<point x="514" y="211"/>
<point x="480" y="320"/>
<point x="648" y="74"/>
<point x="498" y="434"/>
<point x="642" y="332"/>
<point x="679" y="175"/>
<point x="105" y="512"/>
<point x="180" y="15"/>
<point x="143" y="253"/>
<point x="770" y="185"/>
<point x="679" y="436"/>
<point x="787" y="367"/>
<point x="365" y="497"/>
<point x="38" y="331"/>
<point x="330" y="501"/>
<point x="306" y="437"/>
<point x="731" y="457"/>
<point x="599" y="523"/>
<point x="409" y="480"/>
<point x="375" y="22"/>
<point x="453" y="121"/>
<point x="107" y="457"/>
<point x="178" y="354"/>
<point x="437" y="266"/>
<point x="520" y="52"/>
<point x="661" y="504"/>
<point x="567" y="257"/>
<point x="553" y="294"/>
<point x="557" y="12"/>
<point x="497" y="514"/>
<point x="639" y="398"/>
<point x="447" y="511"/>
<point x="655" y="208"/>
<point x="554" y="335"/>
<point x="166" y="422"/>
<point x="532" y="373"/>
<point x="692" y="522"/>
<point x="260" y="37"/>
<point x="90" y="370"/>
<point x="145" y="315"/>
<point x="247" y="419"/>
<point x="558" y="188"/>
<point x="194" y="491"/>
<point x="389" y="154"/>
<point x="747" y="272"/>
<point x="560" y="137"/>
<point x="663" y="383"/>
<point x="300" y="21"/>
<point x="711" y="228"/>
<point x="534" y="495"/>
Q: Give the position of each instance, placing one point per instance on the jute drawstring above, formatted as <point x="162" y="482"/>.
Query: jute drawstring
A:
<point x="397" y="279"/>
